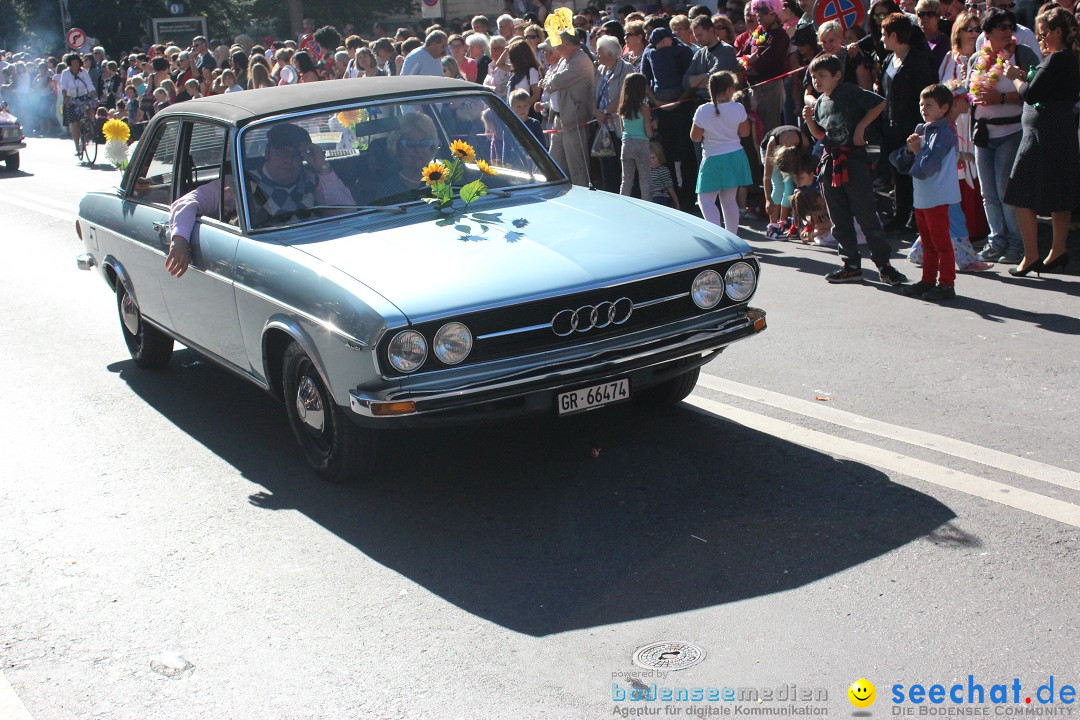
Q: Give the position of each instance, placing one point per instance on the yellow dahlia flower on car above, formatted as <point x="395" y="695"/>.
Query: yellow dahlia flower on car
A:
<point x="485" y="168"/>
<point x="434" y="173"/>
<point x="116" y="130"/>
<point x="348" y="118"/>
<point x="462" y="150"/>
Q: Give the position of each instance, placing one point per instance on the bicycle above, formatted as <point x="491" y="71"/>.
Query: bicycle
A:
<point x="88" y="135"/>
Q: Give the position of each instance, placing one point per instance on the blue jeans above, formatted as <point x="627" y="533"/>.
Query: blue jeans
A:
<point x="995" y="164"/>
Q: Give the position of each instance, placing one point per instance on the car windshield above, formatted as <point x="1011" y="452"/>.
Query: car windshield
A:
<point x="378" y="155"/>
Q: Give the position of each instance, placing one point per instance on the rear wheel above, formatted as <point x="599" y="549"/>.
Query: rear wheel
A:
<point x="12" y="162"/>
<point x="333" y="446"/>
<point x="671" y="391"/>
<point x="90" y="149"/>
<point x="149" y="347"/>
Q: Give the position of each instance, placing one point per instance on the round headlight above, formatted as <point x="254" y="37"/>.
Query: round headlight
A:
<point x="452" y="343"/>
<point x="740" y="280"/>
<point x="707" y="290"/>
<point x="408" y="351"/>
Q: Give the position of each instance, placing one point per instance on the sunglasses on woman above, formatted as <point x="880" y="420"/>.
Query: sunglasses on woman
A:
<point x="927" y="14"/>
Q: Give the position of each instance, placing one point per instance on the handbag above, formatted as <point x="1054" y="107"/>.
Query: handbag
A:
<point x="603" y="144"/>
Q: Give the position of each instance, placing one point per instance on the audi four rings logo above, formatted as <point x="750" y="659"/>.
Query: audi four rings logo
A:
<point x="587" y="317"/>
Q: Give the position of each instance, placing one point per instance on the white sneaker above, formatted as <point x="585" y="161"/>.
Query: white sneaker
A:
<point x="826" y="240"/>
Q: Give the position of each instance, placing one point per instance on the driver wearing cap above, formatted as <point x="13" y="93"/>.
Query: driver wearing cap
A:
<point x="294" y="177"/>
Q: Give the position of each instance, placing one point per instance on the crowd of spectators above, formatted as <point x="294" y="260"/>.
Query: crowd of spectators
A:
<point x="1014" y="105"/>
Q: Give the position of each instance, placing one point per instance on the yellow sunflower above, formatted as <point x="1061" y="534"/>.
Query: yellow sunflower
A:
<point x="462" y="150"/>
<point x="434" y="173"/>
<point x="485" y="168"/>
<point x="348" y="118"/>
<point x="116" y="130"/>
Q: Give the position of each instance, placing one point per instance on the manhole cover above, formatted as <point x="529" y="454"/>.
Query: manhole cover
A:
<point x="669" y="655"/>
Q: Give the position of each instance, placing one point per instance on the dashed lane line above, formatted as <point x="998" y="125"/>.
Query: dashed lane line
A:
<point x="939" y="475"/>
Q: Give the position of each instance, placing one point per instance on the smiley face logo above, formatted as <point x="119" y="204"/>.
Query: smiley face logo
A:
<point x="862" y="693"/>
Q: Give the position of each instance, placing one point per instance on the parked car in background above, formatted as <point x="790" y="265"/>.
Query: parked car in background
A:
<point x="12" y="139"/>
<point x="376" y="309"/>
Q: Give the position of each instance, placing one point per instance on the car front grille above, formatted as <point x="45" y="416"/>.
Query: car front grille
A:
<point x="527" y="328"/>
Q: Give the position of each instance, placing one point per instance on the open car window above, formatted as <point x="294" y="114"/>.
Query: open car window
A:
<point x="154" y="179"/>
<point x="379" y="153"/>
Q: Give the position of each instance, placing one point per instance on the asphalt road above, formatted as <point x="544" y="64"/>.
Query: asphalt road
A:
<point x="876" y="487"/>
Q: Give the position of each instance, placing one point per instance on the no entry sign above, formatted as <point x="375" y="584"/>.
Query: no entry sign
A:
<point x="848" y="13"/>
<point x="76" y="38"/>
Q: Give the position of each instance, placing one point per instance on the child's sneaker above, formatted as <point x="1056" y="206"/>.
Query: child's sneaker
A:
<point x="826" y="240"/>
<point x="941" y="292"/>
<point x="891" y="276"/>
<point x="772" y="231"/>
<point x="845" y="274"/>
<point x="917" y="289"/>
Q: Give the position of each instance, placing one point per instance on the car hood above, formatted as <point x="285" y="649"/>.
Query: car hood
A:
<point x="510" y="251"/>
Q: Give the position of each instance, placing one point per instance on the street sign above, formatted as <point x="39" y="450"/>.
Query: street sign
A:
<point x="848" y="13"/>
<point x="176" y="9"/>
<point x="76" y="38"/>
<point x="178" y="29"/>
<point x="431" y="8"/>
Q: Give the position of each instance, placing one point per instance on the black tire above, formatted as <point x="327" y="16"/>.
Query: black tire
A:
<point x="333" y="446"/>
<point x="12" y="162"/>
<point x="149" y="347"/>
<point x="670" y="392"/>
<point x="91" y="151"/>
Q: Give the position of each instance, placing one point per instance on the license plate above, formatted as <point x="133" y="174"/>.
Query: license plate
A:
<point x="590" y="398"/>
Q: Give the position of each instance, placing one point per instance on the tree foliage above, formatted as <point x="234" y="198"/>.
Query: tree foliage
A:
<point x="118" y="24"/>
<point x="360" y="13"/>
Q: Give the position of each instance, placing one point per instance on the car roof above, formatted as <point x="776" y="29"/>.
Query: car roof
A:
<point x="239" y="108"/>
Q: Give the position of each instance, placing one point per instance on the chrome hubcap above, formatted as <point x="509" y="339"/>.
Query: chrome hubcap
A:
<point x="129" y="313"/>
<point x="309" y="404"/>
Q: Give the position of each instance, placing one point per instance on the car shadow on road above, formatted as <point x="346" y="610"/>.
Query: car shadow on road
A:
<point x="547" y="526"/>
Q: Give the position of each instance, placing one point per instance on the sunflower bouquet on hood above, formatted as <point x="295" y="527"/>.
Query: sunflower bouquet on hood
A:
<point x="441" y="176"/>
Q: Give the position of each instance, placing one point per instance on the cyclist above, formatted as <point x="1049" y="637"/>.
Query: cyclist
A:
<point x="79" y="96"/>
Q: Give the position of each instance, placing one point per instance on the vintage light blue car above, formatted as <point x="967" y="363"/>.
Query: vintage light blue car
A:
<point x="344" y="292"/>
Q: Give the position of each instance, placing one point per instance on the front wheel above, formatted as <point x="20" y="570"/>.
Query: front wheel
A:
<point x="671" y="392"/>
<point x="149" y="347"/>
<point x="333" y="446"/>
<point x="12" y="162"/>
<point x="90" y="149"/>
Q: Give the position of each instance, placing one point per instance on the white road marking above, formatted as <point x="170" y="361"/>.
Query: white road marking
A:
<point x="52" y="208"/>
<point x="889" y="460"/>
<point x="11" y="707"/>
<point x="1032" y="469"/>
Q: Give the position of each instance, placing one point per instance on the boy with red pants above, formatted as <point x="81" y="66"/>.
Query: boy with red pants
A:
<point x="930" y="158"/>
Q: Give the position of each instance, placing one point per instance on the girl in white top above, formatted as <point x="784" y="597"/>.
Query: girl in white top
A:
<point x="718" y="126"/>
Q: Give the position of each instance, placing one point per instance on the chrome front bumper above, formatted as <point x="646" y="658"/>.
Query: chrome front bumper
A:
<point x="544" y="382"/>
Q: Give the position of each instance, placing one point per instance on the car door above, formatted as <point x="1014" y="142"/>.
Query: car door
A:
<point x="202" y="303"/>
<point x="142" y="231"/>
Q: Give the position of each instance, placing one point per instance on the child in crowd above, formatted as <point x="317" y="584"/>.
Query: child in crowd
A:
<point x="637" y="130"/>
<point x="521" y="103"/>
<point x="930" y="158"/>
<point x="839" y="118"/>
<point x="779" y="186"/>
<point x="663" y="187"/>
<point x="228" y="79"/>
<point x="719" y="126"/>
<point x="809" y="214"/>
<point x="962" y="225"/>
